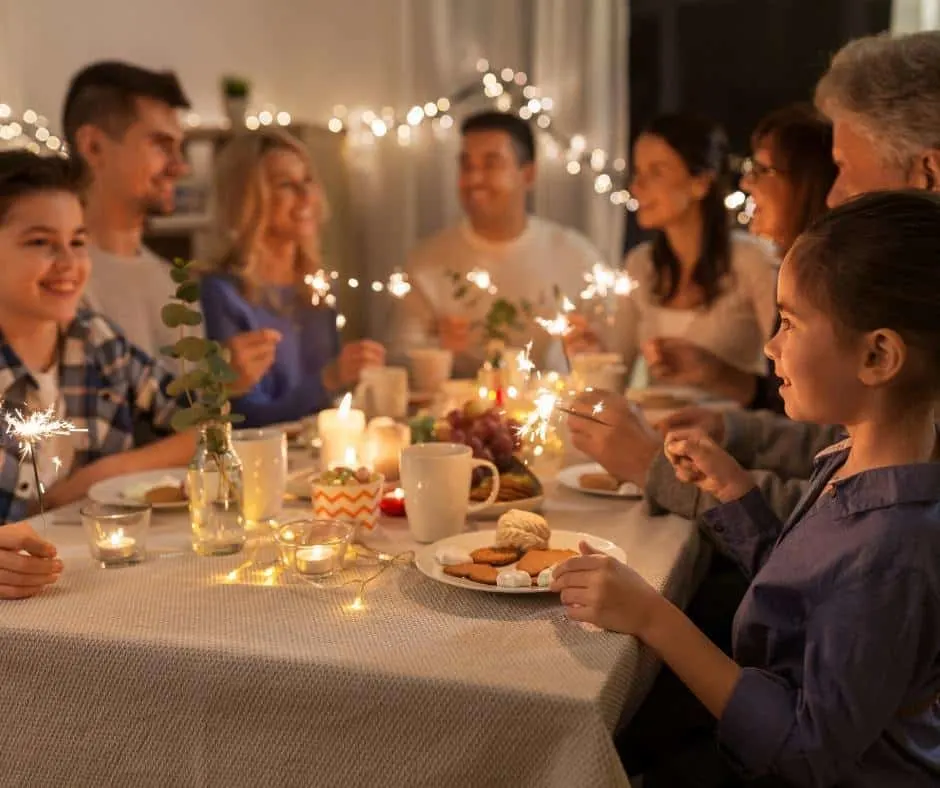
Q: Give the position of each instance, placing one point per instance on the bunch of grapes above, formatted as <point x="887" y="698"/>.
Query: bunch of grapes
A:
<point x="491" y="436"/>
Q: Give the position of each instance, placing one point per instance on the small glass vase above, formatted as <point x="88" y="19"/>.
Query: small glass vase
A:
<point x="216" y="493"/>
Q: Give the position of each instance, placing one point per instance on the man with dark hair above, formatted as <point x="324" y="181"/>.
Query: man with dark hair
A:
<point x="123" y="129"/>
<point x="526" y="257"/>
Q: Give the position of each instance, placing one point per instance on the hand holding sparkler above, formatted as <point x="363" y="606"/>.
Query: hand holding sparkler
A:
<point x="611" y="431"/>
<point x="27" y="563"/>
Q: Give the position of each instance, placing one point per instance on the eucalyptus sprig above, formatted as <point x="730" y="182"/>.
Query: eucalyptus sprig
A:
<point x="206" y="383"/>
<point x="503" y="315"/>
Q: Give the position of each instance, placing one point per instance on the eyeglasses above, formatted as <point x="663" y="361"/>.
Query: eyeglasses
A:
<point x="756" y="169"/>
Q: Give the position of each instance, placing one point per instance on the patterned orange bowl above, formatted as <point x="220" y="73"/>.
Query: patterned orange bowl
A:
<point x="350" y="496"/>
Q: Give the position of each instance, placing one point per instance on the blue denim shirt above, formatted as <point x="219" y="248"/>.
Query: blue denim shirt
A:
<point x="839" y="633"/>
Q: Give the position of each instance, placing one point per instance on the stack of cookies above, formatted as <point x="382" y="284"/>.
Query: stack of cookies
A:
<point x="522" y="539"/>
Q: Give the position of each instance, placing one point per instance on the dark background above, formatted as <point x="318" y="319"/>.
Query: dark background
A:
<point x="735" y="60"/>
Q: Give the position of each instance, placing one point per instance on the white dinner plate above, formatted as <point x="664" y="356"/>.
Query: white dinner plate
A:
<point x="131" y="487"/>
<point x="560" y="540"/>
<point x="571" y="478"/>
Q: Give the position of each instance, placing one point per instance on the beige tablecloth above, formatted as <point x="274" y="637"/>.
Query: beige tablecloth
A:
<point x="163" y="674"/>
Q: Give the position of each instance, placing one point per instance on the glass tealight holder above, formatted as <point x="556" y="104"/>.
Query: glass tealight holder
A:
<point x="314" y="549"/>
<point x="117" y="535"/>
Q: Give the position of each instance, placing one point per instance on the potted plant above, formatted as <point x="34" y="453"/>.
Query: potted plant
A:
<point x="235" y="94"/>
<point x="215" y="473"/>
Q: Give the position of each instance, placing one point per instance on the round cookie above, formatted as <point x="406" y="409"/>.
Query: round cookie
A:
<point x="483" y="573"/>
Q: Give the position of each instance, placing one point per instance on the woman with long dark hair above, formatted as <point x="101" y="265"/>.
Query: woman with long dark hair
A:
<point x="700" y="285"/>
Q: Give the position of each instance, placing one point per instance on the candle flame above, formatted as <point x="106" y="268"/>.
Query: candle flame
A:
<point x="398" y="493"/>
<point x="345" y="406"/>
<point x="117" y="537"/>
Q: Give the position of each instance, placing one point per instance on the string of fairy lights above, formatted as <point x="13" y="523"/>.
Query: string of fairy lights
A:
<point x="507" y="89"/>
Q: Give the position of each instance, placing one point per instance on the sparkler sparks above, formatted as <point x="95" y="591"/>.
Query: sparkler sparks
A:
<point x="398" y="285"/>
<point x="319" y="283"/>
<point x="481" y="279"/>
<point x="598" y="409"/>
<point x="603" y="280"/>
<point x="536" y="427"/>
<point x="30" y="431"/>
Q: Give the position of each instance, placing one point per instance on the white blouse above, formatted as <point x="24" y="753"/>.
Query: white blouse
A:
<point x="735" y="326"/>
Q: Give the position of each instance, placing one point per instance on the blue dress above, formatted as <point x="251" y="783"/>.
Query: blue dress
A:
<point x="292" y="388"/>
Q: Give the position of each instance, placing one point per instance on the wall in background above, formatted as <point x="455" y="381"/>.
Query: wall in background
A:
<point x="302" y="57"/>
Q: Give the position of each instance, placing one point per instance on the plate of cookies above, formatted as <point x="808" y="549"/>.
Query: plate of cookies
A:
<point x="163" y="489"/>
<point x="519" y="488"/>
<point x="516" y="558"/>
<point x="592" y="479"/>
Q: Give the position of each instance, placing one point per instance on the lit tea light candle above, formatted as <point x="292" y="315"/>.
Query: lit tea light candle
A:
<point x="341" y="430"/>
<point x="393" y="504"/>
<point x="116" y="547"/>
<point x="319" y="559"/>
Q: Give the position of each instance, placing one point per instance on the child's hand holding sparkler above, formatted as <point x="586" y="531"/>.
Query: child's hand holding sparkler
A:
<point x="27" y="563"/>
<point x="699" y="460"/>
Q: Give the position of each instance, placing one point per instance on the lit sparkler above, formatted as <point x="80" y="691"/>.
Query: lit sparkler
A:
<point x="31" y="430"/>
<point x="481" y="279"/>
<point x="319" y="283"/>
<point x="598" y="409"/>
<point x="398" y="285"/>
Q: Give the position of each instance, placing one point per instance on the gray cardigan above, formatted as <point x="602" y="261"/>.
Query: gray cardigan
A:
<point x="778" y="452"/>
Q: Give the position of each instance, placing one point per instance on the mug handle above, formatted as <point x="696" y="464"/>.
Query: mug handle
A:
<point x="494" y="493"/>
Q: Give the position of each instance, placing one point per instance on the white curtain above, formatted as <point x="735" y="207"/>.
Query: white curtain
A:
<point x="910" y="16"/>
<point x="574" y="51"/>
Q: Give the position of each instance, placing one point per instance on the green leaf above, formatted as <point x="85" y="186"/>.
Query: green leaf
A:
<point x="192" y="348"/>
<point x="188" y="292"/>
<point x="191" y="381"/>
<point x="179" y="275"/>
<point x="221" y="370"/>
<point x="169" y="351"/>
<point x="185" y="418"/>
<point x="176" y="315"/>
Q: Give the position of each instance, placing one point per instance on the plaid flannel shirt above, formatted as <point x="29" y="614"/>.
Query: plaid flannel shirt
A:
<point x="109" y="388"/>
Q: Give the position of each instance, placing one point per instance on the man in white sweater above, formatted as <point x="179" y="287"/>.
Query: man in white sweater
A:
<point x="528" y="260"/>
<point x="123" y="130"/>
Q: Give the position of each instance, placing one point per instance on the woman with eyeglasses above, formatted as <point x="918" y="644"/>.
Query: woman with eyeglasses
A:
<point x="269" y="211"/>
<point x="789" y="174"/>
<point x="704" y="305"/>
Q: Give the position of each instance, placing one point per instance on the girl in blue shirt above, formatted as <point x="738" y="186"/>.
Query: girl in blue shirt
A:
<point x="270" y="210"/>
<point x="835" y="667"/>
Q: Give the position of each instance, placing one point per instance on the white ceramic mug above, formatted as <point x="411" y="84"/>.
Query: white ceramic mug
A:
<point x="383" y="391"/>
<point x="436" y="481"/>
<point x="430" y="367"/>
<point x="263" y="454"/>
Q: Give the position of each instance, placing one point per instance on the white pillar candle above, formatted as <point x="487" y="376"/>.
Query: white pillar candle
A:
<point x="384" y="441"/>
<point x="341" y="430"/>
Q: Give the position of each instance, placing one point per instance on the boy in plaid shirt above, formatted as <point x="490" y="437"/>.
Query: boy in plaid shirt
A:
<point x="55" y="355"/>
